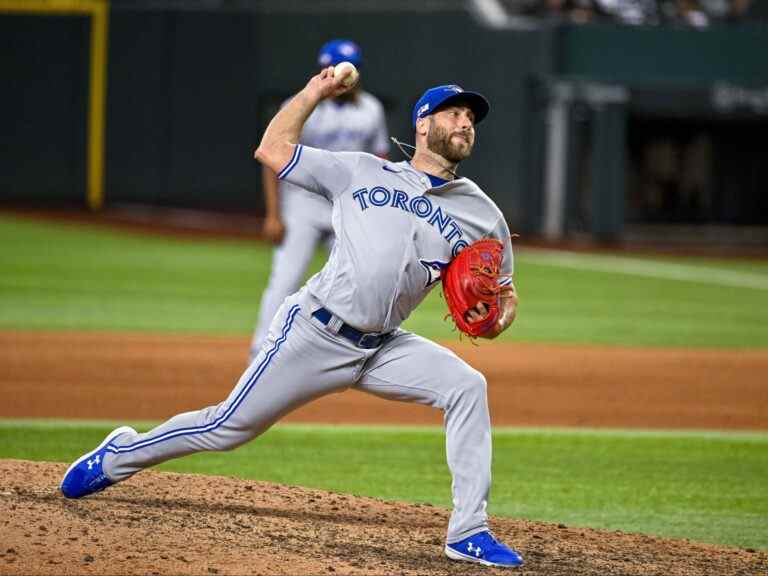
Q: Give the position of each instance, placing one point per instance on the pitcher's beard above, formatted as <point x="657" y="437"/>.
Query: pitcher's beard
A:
<point x="439" y="142"/>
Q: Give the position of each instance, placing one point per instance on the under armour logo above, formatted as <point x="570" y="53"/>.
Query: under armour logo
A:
<point x="94" y="461"/>
<point x="474" y="549"/>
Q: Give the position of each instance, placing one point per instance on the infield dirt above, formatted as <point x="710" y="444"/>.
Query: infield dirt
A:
<point x="162" y="523"/>
<point x="151" y="377"/>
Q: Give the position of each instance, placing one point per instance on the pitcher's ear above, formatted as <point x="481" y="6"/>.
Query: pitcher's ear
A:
<point x="422" y="125"/>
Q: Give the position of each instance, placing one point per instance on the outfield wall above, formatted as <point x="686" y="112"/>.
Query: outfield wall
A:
<point x="43" y="107"/>
<point x="191" y="86"/>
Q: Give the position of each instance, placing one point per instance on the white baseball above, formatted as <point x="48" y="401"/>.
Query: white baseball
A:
<point x="346" y="68"/>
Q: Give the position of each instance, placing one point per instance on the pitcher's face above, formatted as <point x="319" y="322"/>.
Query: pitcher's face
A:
<point x="452" y="132"/>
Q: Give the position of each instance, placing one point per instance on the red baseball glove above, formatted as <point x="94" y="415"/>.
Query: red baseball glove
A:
<point x="470" y="278"/>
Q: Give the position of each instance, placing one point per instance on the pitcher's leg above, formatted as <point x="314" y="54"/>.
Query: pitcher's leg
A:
<point x="291" y="370"/>
<point x="412" y="369"/>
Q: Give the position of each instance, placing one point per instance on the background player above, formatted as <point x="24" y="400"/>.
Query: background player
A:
<point x="395" y="224"/>
<point x="296" y="219"/>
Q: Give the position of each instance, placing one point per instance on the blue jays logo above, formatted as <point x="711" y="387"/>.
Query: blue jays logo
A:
<point x="434" y="270"/>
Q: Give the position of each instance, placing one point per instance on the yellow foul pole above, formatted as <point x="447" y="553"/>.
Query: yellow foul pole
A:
<point x="98" y="10"/>
<point x="97" y="108"/>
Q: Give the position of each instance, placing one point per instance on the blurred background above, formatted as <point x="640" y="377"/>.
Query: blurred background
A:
<point x="612" y="121"/>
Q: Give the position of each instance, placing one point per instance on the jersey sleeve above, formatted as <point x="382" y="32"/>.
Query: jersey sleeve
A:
<point x="501" y="232"/>
<point x="320" y="171"/>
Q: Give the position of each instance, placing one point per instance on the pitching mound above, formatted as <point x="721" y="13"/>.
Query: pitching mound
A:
<point x="162" y="523"/>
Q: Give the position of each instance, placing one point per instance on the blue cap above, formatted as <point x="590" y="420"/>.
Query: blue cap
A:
<point x="337" y="51"/>
<point x="435" y="97"/>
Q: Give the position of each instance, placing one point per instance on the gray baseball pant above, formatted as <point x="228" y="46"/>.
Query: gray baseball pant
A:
<point x="300" y="360"/>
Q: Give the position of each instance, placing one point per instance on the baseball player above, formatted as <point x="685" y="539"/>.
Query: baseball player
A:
<point x="397" y="225"/>
<point x="296" y="219"/>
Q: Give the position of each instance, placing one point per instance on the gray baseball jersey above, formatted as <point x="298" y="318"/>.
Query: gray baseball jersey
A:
<point x="358" y="125"/>
<point x="395" y="234"/>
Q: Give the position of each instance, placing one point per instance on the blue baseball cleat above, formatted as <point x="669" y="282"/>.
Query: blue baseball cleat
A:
<point x="484" y="549"/>
<point x="86" y="475"/>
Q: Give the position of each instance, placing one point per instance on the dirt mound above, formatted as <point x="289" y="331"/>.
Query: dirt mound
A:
<point x="162" y="523"/>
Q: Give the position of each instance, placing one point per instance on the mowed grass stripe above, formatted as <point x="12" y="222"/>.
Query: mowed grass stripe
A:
<point x="345" y="429"/>
<point x="648" y="268"/>
<point x="67" y="277"/>
<point x="705" y="486"/>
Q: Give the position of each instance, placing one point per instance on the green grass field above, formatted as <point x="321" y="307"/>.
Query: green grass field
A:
<point x="705" y="486"/>
<point x="68" y="277"/>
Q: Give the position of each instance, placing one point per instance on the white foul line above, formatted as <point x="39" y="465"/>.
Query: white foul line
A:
<point x="648" y="268"/>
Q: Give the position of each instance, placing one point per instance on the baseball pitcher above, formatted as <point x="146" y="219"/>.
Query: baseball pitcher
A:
<point x="399" y="227"/>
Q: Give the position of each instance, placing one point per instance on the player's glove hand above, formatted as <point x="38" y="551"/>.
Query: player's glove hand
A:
<point x="471" y="285"/>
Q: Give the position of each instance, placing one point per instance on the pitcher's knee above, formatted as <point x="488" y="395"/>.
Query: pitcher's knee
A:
<point x="470" y="386"/>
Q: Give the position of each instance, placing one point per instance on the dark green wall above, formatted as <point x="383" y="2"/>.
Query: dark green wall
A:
<point x="182" y="106"/>
<point x="43" y="99"/>
<point x="645" y="55"/>
<point x="190" y="93"/>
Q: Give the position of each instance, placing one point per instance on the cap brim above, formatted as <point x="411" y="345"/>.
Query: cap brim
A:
<point x="477" y="103"/>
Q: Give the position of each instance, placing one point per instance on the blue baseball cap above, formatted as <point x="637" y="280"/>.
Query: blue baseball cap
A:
<point x="337" y="51"/>
<point x="435" y="97"/>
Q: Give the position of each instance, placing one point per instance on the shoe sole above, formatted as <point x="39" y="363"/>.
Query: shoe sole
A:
<point x="111" y="436"/>
<point x="453" y="555"/>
